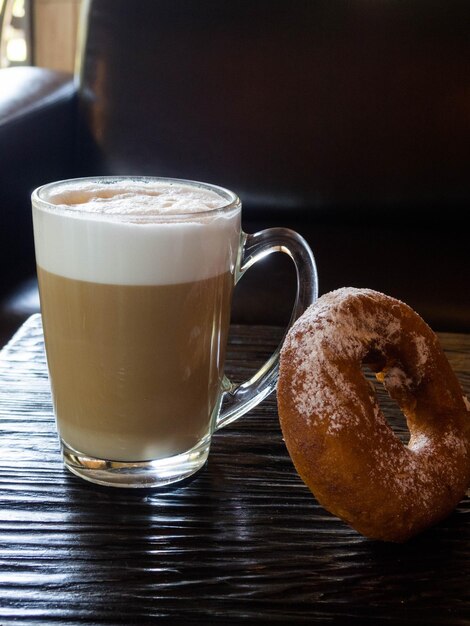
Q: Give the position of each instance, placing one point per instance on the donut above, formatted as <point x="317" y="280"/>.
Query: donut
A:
<point x="336" y="434"/>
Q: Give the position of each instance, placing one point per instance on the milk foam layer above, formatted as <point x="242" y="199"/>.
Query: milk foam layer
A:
<point x="135" y="233"/>
<point x="136" y="198"/>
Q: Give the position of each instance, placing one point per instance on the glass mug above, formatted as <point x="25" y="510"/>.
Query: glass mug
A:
<point x="135" y="278"/>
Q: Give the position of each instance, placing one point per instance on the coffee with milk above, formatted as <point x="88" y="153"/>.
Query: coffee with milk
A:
<point x="135" y="278"/>
<point x="135" y="282"/>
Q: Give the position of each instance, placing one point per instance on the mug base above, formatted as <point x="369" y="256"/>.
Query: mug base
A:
<point x="139" y="474"/>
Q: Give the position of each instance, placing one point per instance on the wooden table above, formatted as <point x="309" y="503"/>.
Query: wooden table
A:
<point x="244" y="541"/>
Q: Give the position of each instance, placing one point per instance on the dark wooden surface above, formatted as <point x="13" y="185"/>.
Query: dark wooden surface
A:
<point x="244" y="541"/>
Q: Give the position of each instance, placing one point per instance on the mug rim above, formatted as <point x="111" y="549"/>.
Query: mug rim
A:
<point x="41" y="200"/>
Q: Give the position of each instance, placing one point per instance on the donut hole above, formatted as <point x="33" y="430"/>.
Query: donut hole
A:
<point x="389" y="407"/>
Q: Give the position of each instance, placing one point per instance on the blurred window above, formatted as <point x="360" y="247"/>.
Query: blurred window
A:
<point x="15" y="33"/>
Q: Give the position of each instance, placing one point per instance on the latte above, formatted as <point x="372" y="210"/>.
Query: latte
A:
<point x="135" y="284"/>
<point x="135" y="370"/>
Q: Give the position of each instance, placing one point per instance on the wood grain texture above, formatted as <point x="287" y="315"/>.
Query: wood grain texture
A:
<point x="243" y="541"/>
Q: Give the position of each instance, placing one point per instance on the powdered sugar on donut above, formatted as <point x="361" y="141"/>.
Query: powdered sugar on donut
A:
<point x="329" y="334"/>
<point x="325" y="351"/>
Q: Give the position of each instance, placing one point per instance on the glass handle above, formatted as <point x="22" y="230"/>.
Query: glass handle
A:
<point x="238" y="399"/>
